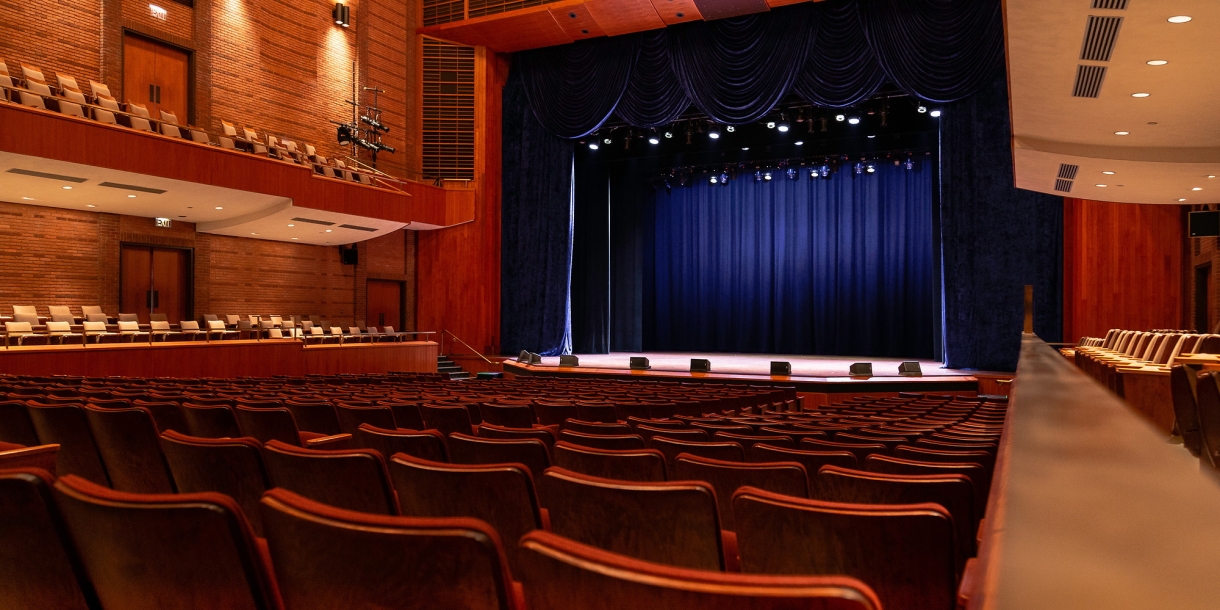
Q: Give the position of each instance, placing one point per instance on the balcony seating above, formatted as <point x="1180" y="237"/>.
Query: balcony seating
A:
<point x="38" y="565"/>
<point x="22" y="333"/>
<point x="130" y="331"/>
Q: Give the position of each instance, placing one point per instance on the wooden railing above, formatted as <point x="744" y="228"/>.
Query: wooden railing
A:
<point x="1090" y="507"/>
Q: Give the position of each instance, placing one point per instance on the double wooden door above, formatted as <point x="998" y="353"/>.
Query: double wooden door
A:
<point x="155" y="280"/>
<point x="156" y="75"/>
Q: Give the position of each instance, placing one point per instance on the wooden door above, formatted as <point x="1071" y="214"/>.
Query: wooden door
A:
<point x="169" y="283"/>
<point x="136" y="280"/>
<point x="385" y="304"/>
<point x="157" y="76"/>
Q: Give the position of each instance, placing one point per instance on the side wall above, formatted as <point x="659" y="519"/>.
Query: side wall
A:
<point x="1122" y="267"/>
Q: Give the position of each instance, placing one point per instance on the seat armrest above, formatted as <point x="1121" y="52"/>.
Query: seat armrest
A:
<point x="335" y="441"/>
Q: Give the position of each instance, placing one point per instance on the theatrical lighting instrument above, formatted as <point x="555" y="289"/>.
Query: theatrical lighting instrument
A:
<point x="374" y="123"/>
<point x="839" y="117"/>
<point x="343" y="133"/>
<point x="713" y="132"/>
<point x="730" y="129"/>
<point x="854" y="120"/>
<point x="593" y="146"/>
<point x="935" y="114"/>
<point x="859" y="167"/>
<point x="669" y="134"/>
<point x="724" y="178"/>
<point x="825" y="171"/>
<point x="766" y="175"/>
<point x="799" y="142"/>
<point x="792" y="175"/>
<point x="909" y="164"/>
<point x="606" y="141"/>
<point x="922" y="109"/>
<point x="770" y="124"/>
<point x="653" y="140"/>
<point x="813" y="172"/>
<point x="870" y="167"/>
<point x="783" y="124"/>
<point x="714" y="180"/>
<point x="758" y="176"/>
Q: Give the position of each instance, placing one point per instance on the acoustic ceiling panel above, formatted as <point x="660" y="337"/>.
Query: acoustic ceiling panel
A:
<point x="720" y="9"/>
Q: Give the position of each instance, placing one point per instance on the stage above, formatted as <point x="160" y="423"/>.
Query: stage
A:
<point x="825" y="378"/>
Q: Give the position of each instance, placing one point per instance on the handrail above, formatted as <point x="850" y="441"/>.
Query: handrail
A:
<point x="459" y="340"/>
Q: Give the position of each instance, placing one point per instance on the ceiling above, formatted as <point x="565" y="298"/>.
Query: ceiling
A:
<point x="1173" y="134"/>
<point x="213" y="209"/>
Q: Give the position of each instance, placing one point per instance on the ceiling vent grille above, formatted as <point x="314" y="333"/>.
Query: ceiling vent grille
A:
<point x="1099" y="38"/>
<point x="1067" y="171"/>
<point x="1088" y="81"/>
<point x="1117" y="5"/>
<point x="312" y="221"/>
<point x="1063" y="186"/>
<point x="36" y="174"/>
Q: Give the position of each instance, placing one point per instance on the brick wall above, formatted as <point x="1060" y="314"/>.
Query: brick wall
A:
<point x="50" y="256"/>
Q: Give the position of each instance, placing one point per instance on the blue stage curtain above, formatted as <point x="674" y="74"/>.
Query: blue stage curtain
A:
<point x="937" y="50"/>
<point x="536" y="232"/>
<point x="736" y="70"/>
<point x="842" y="69"/>
<point x="591" y="257"/>
<point x="995" y="239"/>
<point x="841" y="266"/>
<point x="574" y="88"/>
<point x="653" y="97"/>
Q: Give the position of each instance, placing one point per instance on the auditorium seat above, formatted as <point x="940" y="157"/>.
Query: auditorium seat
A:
<point x="689" y="434"/>
<point x="327" y="558"/>
<point x="22" y="333"/>
<point x="1209" y="420"/>
<point x="542" y="433"/>
<point x="354" y="479"/>
<point x="501" y="494"/>
<point x="231" y="466"/>
<point x="748" y="440"/>
<point x="980" y="479"/>
<point x="96" y="331"/>
<point x="278" y="424"/>
<point x="1185" y="408"/>
<point x="558" y="574"/>
<point x="127" y="442"/>
<point x="599" y="441"/>
<point x="922" y="454"/>
<point x="732" y="452"/>
<point x="597" y="413"/>
<point x="70" y="108"/>
<point x="15" y="424"/>
<point x="617" y="464"/>
<point x="508" y="416"/>
<point x="598" y="428"/>
<point x="33" y="100"/>
<point x="811" y="460"/>
<point x="210" y="421"/>
<point x="94" y="313"/>
<point x="216" y="328"/>
<point x="553" y="413"/>
<point x="350" y="418"/>
<point x="66" y="426"/>
<point x="130" y="331"/>
<point x="424" y="444"/>
<point x="860" y="450"/>
<point x="953" y="492"/>
<point x="151" y="551"/>
<point x="38" y="565"/>
<point x="61" y="333"/>
<point x="903" y="551"/>
<point x="447" y="420"/>
<point x="37" y="456"/>
<point x="317" y="416"/>
<point x="787" y="478"/>
<point x="529" y="452"/>
<point x="674" y="523"/>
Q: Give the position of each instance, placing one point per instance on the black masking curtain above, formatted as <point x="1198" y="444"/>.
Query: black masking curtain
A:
<point x="842" y="69"/>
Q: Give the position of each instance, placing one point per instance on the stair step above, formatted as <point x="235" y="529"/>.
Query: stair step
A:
<point x="449" y="369"/>
<point x="461" y="375"/>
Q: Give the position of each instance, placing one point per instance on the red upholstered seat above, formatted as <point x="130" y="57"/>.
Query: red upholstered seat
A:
<point x="354" y="479"/>
<point x="231" y="466"/>
<point x="210" y="421"/>
<point x="38" y="456"/>
<point x="681" y="433"/>
<point x="599" y="441"/>
<point x="542" y="433"/>
<point x="749" y="440"/>
<point x="66" y="426"/>
<point x="15" y="424"/>
<point x="38" y="565"/>
<point x="425" y="444"/>
<point x="732" y="452"/>
<point x="530" y="452"/>
<point x="127" y="442"/>
<point x="618" y="464"/>
<point x="788" y="478"/>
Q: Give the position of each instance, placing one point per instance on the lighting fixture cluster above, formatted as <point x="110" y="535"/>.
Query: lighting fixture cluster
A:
<point x="342" y="14"/>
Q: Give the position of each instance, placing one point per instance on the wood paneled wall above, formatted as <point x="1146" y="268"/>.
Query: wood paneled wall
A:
<point x="1123" y="267"/>
<point x="459" y="267"/>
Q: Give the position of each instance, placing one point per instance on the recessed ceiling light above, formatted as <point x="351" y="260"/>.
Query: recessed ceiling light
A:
<point x="292" y="225"/>
<point x="1157" y="62"/>
<point x="190" y="207"/>
<point x="254" y="233"/>
<point x="1211" y="176"/>
<point x="67" y="188"/>
<point x="131" y="196"/>
<point x="1108" y="173"/>
<point x="220" y="207"/>
<point x="1103" y="185"/>
<point x="1179" y="19"/>
<point x="745" y="148"/>
<point x="1197" y="188"/>
<point x="871" y="137"/>
<point x="328" y="230"/>
<point x="935" y="113"/>
<point x="800" y="142"/>
<point x="1140" y="94"/>
<point x="1182" y="199"/>
<point x="1122" y="133"/>
<point x="294" y="238"/>
<point x="90" y="205"/>
<point x="28" y="198"/>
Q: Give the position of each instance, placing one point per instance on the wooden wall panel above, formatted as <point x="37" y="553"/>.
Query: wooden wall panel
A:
<point x="1123" y="267"/>
<point x="459" y="267"/>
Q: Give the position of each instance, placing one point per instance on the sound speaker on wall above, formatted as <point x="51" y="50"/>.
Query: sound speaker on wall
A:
<point x="781" y="368"/>
<point x="700" y="365"/>
<point x="862" y="369"/>
<point x="639" y="363"/>
<point x="909" y="368"/>
<point x="349" y="255"/>
<point x="569" y="360"/>
<point x="1204" y="224"/>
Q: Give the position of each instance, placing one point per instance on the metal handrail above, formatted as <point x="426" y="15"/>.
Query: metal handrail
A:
<point x="459" y="340"/>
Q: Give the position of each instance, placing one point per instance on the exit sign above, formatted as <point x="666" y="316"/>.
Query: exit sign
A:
<point x="165" y="223"/>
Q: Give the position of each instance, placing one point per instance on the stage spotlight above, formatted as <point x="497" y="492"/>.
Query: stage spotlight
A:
<point x="825" y="171"/>
<point x="870" y="167"/>
<point x="653" y="140"/>
<point x="606" y="141"/>
<point x="840" y="118"/>
<point x="669" y="134"/>
<point x="714" y="179"/>
<point x="730" y="129"/>
<point x="813" y="172"/>
<point x="859" y="167"/>
<point x="758" y="176"/>
<point x="669" y="187"/>
<point x="799" y="142"/>
<point x="713" y="132"/>
<point x="922" y="109"/>
<point x="791" y="173"/>
<point x="770" y="124"/>
<point x="935" y="114"/>
<point x="724" y="178"/>
<point x="854" y="120"/>
<point x="593" y="146"/>
<point x="910" y="164"/>
<point x="782" y="126"/>
<point x="766" y="175"/>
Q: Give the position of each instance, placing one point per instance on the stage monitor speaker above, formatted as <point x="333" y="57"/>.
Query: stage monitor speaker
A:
<point x="535" y="358"/>
<point x="862" y="369"/>
<point x="524" y="357"/>
<point x="639" y="363"/>
<point x="569" y="360"/>
<point x="1204" y="224"/>
<point x="700" y="365"/>
<point x="909" y="368"/>
<point x="781" y="368"/>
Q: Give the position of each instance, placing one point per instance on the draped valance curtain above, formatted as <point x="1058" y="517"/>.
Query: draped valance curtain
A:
<point x="830" y="54"/>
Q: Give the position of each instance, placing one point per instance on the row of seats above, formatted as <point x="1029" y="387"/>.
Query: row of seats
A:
<point x="1104" y="358"/>
<point x="31" y="89"/>
<point x="586" y="495"/>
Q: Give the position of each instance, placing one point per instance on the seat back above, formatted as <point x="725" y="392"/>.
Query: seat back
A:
<point x="509" y="416"/>
<point x="424" y="444"/>
<point x="210" y="421"/>
<point x="38" y="456"/>
<point x="811" y="460"/>
<point x="145" y="551"/>
<point x="618" y="441"/>
<point x="71" y="108"/>
<point x="38" y="565"/>
<point x="617" y="464"/>
<point x="529" y="452"/>
<point x="559" y="574"/>
<point x="268" y="425"/>
<point x="446" y="420"/>
<point x="731" y="452"/>
<point x="350" y="418"/>
<point x="1209" y="419"/>
<point x="331" y="558"/>
<point x="685" y="434"/>
<point x="354" y="479"/>
<point x="140" y="123"/>
<point x="319" y="417"/>
<point x="168" y="116"/>
<point x="127" y="441"/>
<point x="501" y="494"/>
<point x="788" y="478"/>
<point x="60" y="310"/>
<point x="231" y="466"/>
<point x="15" y="424"/>
<point x="66" y="426"/>
<point x="171" y="130"/>
<point x="749" y="440"/>
<point x="980" y="479"/>
<point x="860" y="450"/>
<point x="903" y="551"/>
<point x="674" y="523"/>
<point x="140" y="110"/>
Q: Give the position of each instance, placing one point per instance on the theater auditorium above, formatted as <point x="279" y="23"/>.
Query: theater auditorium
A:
<point x="609" y="304"/>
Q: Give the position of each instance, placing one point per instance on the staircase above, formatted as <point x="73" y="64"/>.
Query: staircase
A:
<point x="450" y="369"/>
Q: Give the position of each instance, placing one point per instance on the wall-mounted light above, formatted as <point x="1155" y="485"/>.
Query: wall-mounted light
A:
<point x="342" y="14"/>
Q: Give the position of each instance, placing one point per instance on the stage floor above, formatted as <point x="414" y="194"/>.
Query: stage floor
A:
<point x="807" y="367"/>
